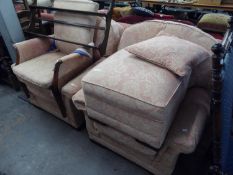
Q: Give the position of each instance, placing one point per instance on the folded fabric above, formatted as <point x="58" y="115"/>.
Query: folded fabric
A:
<point x="141" y="11"/>
<point x="169" y="52"/>
<point x="214" y="22"/>
<point x="82" y="52"/>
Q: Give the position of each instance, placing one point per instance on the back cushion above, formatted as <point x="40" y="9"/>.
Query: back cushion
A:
<point x="72" y="33"/>
<point x="116" y="30"/>
<point x="149" y="29"/>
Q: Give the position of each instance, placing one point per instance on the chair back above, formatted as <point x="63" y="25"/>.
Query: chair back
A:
<point x="149" y="29"/>
<point x="74" y="25"/>
<point x="73" y="33"/>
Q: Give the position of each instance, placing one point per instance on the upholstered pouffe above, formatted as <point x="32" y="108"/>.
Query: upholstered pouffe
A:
<point x="132" y="99"/>
<point x="183" y="136"/>
<point x="136" y="90"/>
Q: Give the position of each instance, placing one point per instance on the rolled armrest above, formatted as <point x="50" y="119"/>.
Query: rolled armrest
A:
<point x="32" y="48"/>
<point x="68" y="67"/>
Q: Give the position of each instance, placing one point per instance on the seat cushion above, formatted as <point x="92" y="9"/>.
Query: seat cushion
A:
<point x="38" y="71"/>
<point x="134" y="96"/>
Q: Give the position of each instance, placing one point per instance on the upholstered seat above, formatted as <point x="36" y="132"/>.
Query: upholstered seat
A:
<point x="40" y="69"/>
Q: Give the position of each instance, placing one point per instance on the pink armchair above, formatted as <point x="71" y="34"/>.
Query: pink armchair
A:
<point x="44" y="70"/>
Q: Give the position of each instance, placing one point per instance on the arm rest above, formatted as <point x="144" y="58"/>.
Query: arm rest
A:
<point x="190" y="120"/>
<point x="68" y="67"/>
<point x="32" y="48"/>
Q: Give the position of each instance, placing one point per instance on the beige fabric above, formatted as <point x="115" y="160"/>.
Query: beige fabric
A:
<point x="44" y="99"/>
<point x="38" y="71"/>
<point x="138" y="97"/>
<point x="185" y="133"/>
<point x="32" y="48"/>
<point x="182" y="137"/>
<point x="201" y="73"/>
<point x="79" y="100"/>
<point x="74" y="85"/>
<point x="115" y="33"/>
<point x="149" y="29"/>
<point x="124" y="25"/>
<point x="125" y="74"/>
<point x="72" y="65"/>
<point x="177" y="55"/>
<point x="75" y="117"/>
<point x="71" y="33"/>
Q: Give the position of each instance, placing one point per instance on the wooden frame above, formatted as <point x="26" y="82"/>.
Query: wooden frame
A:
<point x="219" y="51"/>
